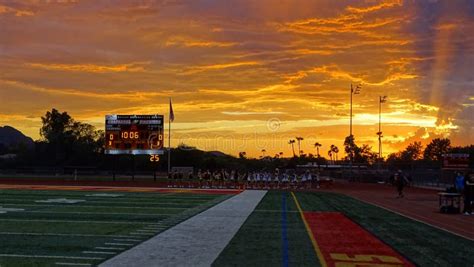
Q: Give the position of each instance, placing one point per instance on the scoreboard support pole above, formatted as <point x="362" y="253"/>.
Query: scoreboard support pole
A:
<point x="133" y="167"/>
<point x="114" y="165"/>
<point x="169" y="144"/>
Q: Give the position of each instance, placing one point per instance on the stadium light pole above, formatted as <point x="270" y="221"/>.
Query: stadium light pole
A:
<point x="382" y="99"/>
<point x="354" y="91"/>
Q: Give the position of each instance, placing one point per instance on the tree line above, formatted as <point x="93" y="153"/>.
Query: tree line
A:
<point x="66" y="142"/>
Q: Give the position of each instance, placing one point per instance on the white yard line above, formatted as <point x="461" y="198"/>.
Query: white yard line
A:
<point x="109" y="248"/>
<point x="197" y="241"/>
<point x="89" y="206"/>
<point x="49" y="257"/>
<point x="54" y="234"/>
<point x="127" y="240"/>
<point x="69" y="221"/>
<point x="92" y="213"/>
<point x="119" y="244"/>
<point x="72" y="264"/>
<point x="99" y="252"/>
<point x="184" y="202"/>
<point x="138" y="234"/>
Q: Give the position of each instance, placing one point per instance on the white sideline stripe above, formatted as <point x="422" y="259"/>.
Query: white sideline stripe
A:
<point x="127" y="240"/>
<point x="99" y="252"/>
<point x="191" y="202"/>
<point x="119" y="244"/>
<point x="72" y="264"/>
<point x="69" y="221"/>
<point x="197" y="241"/>
<point x="420" y="221"/>
<point x="54" y="234"/>
<point x="84" y="206"/>
<point x="49" y="257"/>
<point x="95" y="188"/>
<point x="103" y="199"/>
<point x="104" y="213"/>
<point x="110" y="248"/>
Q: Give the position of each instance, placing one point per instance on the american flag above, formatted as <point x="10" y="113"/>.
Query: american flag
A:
<point x="171" y="111"/>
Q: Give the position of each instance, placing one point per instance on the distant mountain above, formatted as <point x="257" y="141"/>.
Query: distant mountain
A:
<point x="218" y="153"/>
<point x="11" y="137"/>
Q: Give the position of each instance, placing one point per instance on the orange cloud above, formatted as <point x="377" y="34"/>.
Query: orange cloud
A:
<point x="383" y="5"/>
<point x="129" y="96"/>
<point x="132" y="67"/>
<point x="189" y="42"/>
<point x="336" y="73"/>
<point x="15" y="11"/>
<point x="197" y="69"/>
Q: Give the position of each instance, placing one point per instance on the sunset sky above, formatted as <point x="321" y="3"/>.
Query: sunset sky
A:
<point x="245" y="75"/>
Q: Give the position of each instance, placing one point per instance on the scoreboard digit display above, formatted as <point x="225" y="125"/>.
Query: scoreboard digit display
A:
<point x="134" y="134"/>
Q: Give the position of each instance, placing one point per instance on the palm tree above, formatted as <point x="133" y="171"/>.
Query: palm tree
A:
<point x="336" y="151"/>
<point x="332" y="150"/>
<point x="299" y="138"/>
<point x="292" y="143"/>
<point x="317" y="146"/>
<point x="263" y="153"/>
<point x="280" y="154"/>
<point x="330" y="154"/>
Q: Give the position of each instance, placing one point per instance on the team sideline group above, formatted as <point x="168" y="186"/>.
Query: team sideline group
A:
<point x="246" y="180"/>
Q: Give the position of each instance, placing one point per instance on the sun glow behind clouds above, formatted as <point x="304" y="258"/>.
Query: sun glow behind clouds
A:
<point x="266" y="74"/>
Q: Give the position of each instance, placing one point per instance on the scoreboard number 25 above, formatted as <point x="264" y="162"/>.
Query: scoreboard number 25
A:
<point x="154" y="158"/>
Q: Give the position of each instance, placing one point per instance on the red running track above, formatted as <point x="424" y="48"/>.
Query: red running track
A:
<point x="418" y="204"/>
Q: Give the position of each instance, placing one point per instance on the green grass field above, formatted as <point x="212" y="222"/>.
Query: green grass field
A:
<point x="37" y="232"/>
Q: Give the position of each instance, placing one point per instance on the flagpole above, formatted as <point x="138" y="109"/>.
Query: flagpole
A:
<point x="169" y="140"/>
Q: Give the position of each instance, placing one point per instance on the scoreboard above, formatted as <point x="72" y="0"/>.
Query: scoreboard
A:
<point x="134" y="134"/>
<point x="456" y="161"/>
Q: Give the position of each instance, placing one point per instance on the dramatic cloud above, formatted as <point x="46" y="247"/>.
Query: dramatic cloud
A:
<point x="247" y="77"/>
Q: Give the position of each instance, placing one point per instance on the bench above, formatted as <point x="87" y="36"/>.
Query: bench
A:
<point x="449" y="203"/>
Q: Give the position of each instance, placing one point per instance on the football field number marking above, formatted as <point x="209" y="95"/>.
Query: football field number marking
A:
<point x="344" y="260"/>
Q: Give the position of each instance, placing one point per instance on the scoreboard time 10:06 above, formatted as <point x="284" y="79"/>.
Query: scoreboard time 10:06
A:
<point x="134" y="134"/>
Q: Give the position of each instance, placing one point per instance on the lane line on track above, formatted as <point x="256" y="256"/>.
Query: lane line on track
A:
<point x="412" y="218"/>
<point x="316" y="247"/>
<point x="284" y="230"/>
